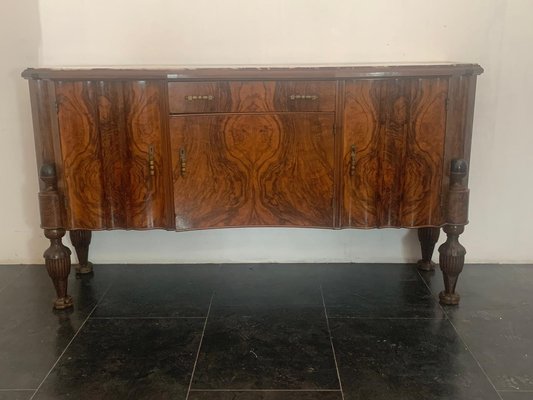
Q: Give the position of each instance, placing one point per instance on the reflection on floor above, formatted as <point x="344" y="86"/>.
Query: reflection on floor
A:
<point x="271" y="332"/>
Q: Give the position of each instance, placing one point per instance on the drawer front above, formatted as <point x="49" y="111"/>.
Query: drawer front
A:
<point x="251" y="96"/>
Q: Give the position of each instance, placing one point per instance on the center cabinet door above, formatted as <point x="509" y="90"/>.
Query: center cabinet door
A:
<point x="253" y="170"/>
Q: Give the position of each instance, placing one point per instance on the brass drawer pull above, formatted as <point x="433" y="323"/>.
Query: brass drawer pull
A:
<point x="183" y="162"/>
<point x="151" y="162"/>
<point x="303" y="97"/>
<point x="352" y="164"/>
<point x="195" y="97"/>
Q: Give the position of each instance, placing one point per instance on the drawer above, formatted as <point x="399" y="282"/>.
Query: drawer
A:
<point x="251" y="96"/>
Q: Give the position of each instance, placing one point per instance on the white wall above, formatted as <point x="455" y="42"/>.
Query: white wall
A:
<point x="495" y="33"/>
<point x="20" y="239"/>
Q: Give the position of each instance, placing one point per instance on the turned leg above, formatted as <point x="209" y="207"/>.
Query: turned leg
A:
<point x="452" y="259"/>
<point x="57" y="259"/>
<point x="428" y="237"/>
<point x="81" y="239"/>
<point x="452" y="253"/>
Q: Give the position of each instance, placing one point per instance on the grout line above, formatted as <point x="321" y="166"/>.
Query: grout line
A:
<point x="71" y="340"/>
<point x="266" y="390"/>
<point x="386" y="318"/>
<point x="331" y="342"/>
<point x="199" y="347"/>
<point x="141" y="318"/>
<point x="461" y="337"/>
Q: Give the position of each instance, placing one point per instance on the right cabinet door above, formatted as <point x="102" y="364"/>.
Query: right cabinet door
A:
<point x="272" y="169"/>
<point x="393" y="152"/>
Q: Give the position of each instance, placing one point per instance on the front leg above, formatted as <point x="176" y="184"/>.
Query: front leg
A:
<point x="428" y="237"/>
<point x="452" y="259"/>
<point x="57" y="260"/>
<point x="57" y="256"/>
<point x="452" y="253"/>
<point x="81" y="239"/>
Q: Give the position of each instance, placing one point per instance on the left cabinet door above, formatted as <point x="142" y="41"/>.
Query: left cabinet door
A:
<point x="112" y="167"/>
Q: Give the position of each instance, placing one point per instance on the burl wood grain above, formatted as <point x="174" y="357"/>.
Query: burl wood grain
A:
<point x="398" y="129"/>
<point x="106" y="130"/>
<point x="253" y="169"/>
<point x="252" y="96"/>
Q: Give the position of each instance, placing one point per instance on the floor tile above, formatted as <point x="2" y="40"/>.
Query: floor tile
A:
<point x="160" y="291"/>
<point x="406" y="359"/>
<point x="127" y="359"/>
<point x="32" y="336"/>
<point x="504" y="348"/>
<point x="377" y="291"/>
<point x="495" y="319"/>
<point x="269" y="349"/>
<point x="269" y="284"/>
<point x="16" y="394"/>
<point x="490" y="292"/>
<point x="517" y="395"/>
<point x="8" y="273"/>
<point x="265" y="395"/>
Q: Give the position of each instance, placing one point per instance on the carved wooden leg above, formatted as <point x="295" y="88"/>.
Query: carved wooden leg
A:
<point x="452" y="259"/>
<point x="81" y="239"/>
<point x="428" y="237"/>
<point x="57" y="259"/>
<point x="452" y="253"/>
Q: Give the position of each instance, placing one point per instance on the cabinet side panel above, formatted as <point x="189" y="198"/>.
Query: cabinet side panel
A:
<point x="361" y="172"/>
<point x="461" y="95"/>
<point x="147" y="206"/>
<point x="422" y="169"/>
<point x="42" y="127"/>
<point x="80" y="150"/>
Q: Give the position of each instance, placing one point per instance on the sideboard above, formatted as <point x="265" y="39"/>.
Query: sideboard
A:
<point x="194" y="148"/>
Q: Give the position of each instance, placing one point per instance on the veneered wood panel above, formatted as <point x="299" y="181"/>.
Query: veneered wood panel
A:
<point x="80" y="149"/>
<point x="361" y="129"/>
<point x="109" y="133"/>
<point x="251" y="96"/>
<point x="424" y="161"/>
<point x="147" y="200"/>
<point x="252" y="170"/>
<point x="397" y="127"/>
<point x="115" y="154"/>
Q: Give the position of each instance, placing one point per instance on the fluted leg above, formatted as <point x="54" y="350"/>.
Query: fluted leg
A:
<point x="428" y="237"/>
<point x="57" y="260"/>
<point x="452" y="259"/>
<point x="452" y="253"/>
<point x="81" y="239"/>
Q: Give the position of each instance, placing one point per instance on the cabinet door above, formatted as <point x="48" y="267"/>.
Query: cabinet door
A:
<point x="253" y="170"/>
<point x="110" y="132"/>
<point x="394" y="131"/>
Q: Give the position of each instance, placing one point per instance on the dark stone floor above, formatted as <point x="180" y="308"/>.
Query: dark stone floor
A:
<point x="271" y="332"/>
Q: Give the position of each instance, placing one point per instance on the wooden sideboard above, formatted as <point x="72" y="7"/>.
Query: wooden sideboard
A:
<point x="196" y="148"/>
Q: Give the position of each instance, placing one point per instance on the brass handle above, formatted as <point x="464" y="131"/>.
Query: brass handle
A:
<point x="303" y="97"/>
<point x="183" y="162"/>
<point x="352" y="164"/>
<point x="151" y="162"/>
<point x="202" y="97"/>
